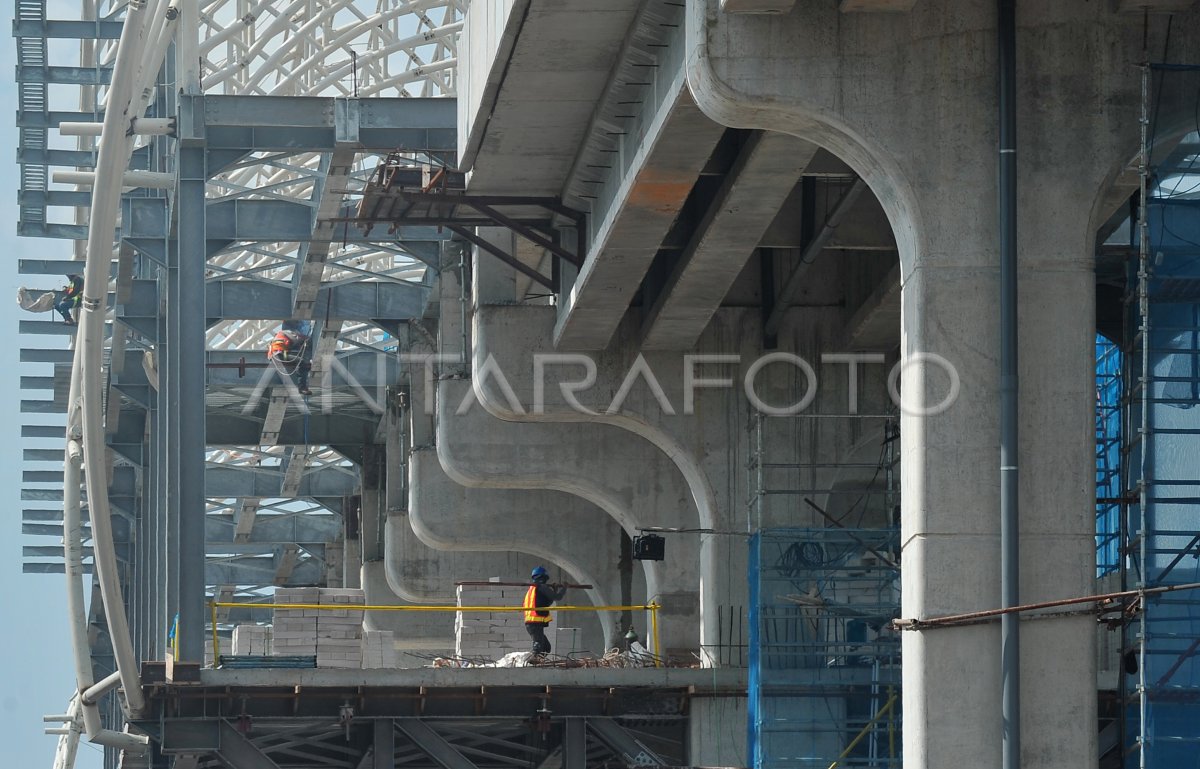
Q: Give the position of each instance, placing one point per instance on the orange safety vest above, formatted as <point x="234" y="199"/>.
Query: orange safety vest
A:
<point x="531" y="612"/>
<point x="279" y="347"/>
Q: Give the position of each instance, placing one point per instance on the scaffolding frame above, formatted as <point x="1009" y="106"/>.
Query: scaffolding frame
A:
<point x="824" y="664"/>
<point x="1162" y="386"/>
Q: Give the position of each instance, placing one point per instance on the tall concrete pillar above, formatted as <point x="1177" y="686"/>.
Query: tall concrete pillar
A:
<point x="909" y="101"/>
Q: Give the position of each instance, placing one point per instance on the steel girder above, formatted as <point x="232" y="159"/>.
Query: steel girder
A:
<point x="545" y="739"/>
<point x="263" y="300"/>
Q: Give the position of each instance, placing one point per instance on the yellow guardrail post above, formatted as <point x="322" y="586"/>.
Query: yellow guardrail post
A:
<point x="215" y="638"/>
<point x="658" y="655"/>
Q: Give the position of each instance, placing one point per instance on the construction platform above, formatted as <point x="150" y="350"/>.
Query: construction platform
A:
<point x="432" y="717"/>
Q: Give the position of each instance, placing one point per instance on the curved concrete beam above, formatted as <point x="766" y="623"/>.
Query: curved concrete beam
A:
<point x="625" y="477"/>
<point x="528" y="527"/>
<point x="432" y="632"/>
<point x="511" y="336"/>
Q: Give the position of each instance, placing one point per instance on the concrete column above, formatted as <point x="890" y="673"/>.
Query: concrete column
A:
<point x="422" y="632"/>
<point x="396" y="449"/>
<point x="372" y="510"/>
<point x="716" y="731"/>
<point x="187" y="308"/>
<point x="909" y="101"/>
<point x="493" y="281"/>
<point x="453" y="313"/>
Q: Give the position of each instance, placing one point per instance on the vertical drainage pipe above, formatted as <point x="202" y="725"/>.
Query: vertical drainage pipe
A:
<point x="1010" y="647"/>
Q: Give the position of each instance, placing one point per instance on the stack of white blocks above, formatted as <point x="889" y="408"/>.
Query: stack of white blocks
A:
<point x="335" y="636"/>
<point x="339" y="631"/>
<point x="492" y="635"/>
<point x="295" y="630"/>
<point x="378" y="649"/>
<point x="252" y="640"/>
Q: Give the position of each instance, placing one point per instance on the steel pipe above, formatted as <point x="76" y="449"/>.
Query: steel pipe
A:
<point x="73" y="554"/>
<point x="93" y="694"/>
<point x="1010" y="628"/>
<point x="142" y="126"/>
<point x="110" y="166"/>
<point x="148" y="179"/>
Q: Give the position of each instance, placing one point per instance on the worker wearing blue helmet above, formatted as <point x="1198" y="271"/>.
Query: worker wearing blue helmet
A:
<point x="538" y="598"/>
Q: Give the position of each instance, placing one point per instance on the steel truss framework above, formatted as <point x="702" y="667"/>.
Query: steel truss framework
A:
<point x="297" y="101"/>
<point x="437" y="724"/>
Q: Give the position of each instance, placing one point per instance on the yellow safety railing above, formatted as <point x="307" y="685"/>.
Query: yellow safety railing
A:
<point x="216" y="640"/>
<point x="886" y="710"/>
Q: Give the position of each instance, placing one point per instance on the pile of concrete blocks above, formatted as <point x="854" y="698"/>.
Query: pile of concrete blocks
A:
<point x="339" y="631"/>
<point x="378" y="649"/>
<point x="295" y="630"/>
<point x="490" y="635"/>
<point x="253" y="640"/>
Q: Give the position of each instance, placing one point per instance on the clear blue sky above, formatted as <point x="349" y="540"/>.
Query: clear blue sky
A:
<point x="36" y="669"/>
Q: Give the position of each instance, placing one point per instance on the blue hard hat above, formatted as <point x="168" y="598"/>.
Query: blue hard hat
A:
<point x="539" y="571"/>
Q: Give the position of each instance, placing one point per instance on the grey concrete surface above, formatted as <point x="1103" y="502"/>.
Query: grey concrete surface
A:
<point x="628" y="483"/>
<point x="528" y="528"/>
<point x="909" y="102"/>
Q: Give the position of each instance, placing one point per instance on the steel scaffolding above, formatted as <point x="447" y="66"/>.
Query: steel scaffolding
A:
<point x="260" y="119"/>
<point x="824" y="663"/>
<point x="1161" y="540"/>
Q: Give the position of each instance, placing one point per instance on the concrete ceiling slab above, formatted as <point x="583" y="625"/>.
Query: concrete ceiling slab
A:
<point x="559" y="66"/>
<point x="765" y="173"/>
<point x="625" y="244"/>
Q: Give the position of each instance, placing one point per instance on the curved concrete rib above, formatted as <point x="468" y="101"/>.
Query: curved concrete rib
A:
<point x="431" y="631"/>
<point x="625" y="477"/>
<point x="528" y="528"/>
<point x="510" y="337"/>
<point x="414" y="574"/>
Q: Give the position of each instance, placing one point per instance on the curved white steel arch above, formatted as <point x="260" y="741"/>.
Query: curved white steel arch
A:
<point x="336" y="47"/>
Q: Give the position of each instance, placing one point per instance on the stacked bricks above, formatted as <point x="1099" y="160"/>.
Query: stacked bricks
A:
<point x="339" y="631"/>
<point x="378" y="649"/>
<point x="493" y="635"/>
<point x="295" y="630"/>
<point x="254" y="640"/>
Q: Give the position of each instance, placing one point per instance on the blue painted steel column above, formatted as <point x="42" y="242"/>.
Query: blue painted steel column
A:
<point x="189" y="310"/>
<point x="168" y="421"/>
<point x="153" y="546"/>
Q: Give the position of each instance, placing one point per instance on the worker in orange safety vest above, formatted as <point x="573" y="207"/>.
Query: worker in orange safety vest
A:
<point x="538" y="598"/>
<point x="287" y="350"/>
